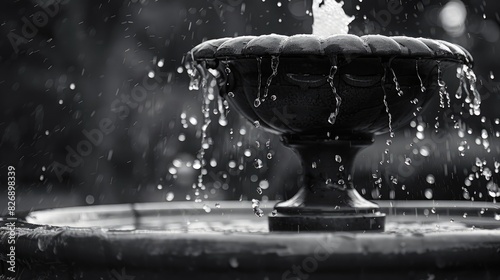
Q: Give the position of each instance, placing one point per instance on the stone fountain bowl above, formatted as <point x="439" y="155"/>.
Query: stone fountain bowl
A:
<point x="300" y="98"/>
<point x="327" y="97"/>
<point x="180" y="240"/>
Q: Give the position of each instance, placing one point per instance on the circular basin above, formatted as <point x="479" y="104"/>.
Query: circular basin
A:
<point x="180" y="240"/>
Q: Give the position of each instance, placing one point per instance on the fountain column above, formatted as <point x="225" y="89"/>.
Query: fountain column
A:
<point x="327" y="200"/>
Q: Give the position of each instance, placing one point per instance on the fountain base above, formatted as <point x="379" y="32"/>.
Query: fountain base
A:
<point x="334" y="209"/>
<point x="340" y="222"/>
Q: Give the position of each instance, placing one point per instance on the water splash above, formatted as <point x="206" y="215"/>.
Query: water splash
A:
<point x="256" y="102"/>
<point x="256" y="208"/>
<point x="396" y="83"/>
<point x="467" y="76"/>
<point x="338" y="100"/>
<point x="193" y="73"/>
<point x="275" y="61"/>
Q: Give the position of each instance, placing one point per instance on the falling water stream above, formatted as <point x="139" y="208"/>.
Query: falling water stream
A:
<point x="338" y="100"/>
<point x="257" y="100"/>
<point x="206" y="81"/>
<point x="275" y="61"/>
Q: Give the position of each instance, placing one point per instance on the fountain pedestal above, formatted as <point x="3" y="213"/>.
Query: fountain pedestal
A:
<point x="327" y="200"/>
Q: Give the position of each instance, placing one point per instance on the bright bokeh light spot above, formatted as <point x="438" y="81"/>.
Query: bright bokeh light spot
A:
<point x="452" y="18"/>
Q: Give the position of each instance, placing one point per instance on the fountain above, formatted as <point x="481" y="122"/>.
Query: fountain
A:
<point x="327" y="96"/>
<point x="341" y="90"/>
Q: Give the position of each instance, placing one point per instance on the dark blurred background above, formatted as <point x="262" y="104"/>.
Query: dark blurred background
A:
<point x="95" y="106"/>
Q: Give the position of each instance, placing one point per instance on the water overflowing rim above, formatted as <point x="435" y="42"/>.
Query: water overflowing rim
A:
<point x="331" y="46"/>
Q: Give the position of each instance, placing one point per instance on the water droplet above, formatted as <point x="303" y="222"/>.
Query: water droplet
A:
<point x="313" y="164"/>
<point x="388" y="142"/>
<point x="258" y="163"/>
<point x="247" y="153"/>
<point x="259" y="190"/>
<point x="269" y="155"/>
<point x="233" y="262"/>
<point x="274" y="213"/>
<point x="89" y="199"/>
<point x="256" y="102"/>
<point x="493" y="189"/>
<point x="332" y="118"/>
<point x="338" y="158"/>
<point x="256" y="124"/>
<point x="407" y="160"/>
<point x="430" y="179"/>
<point x="217" y="205"/>
<point x="170" y="196"/>
<point x="256" y="208"/>
<point x="428" y="193"/>
<point x="273" y="97"/>
<point x="72" y="86"/>
<point x="264" y="184"/>
<point x="230" y="94"/>
<point x="207" y="208"/>
<point x="394" y="180"/>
